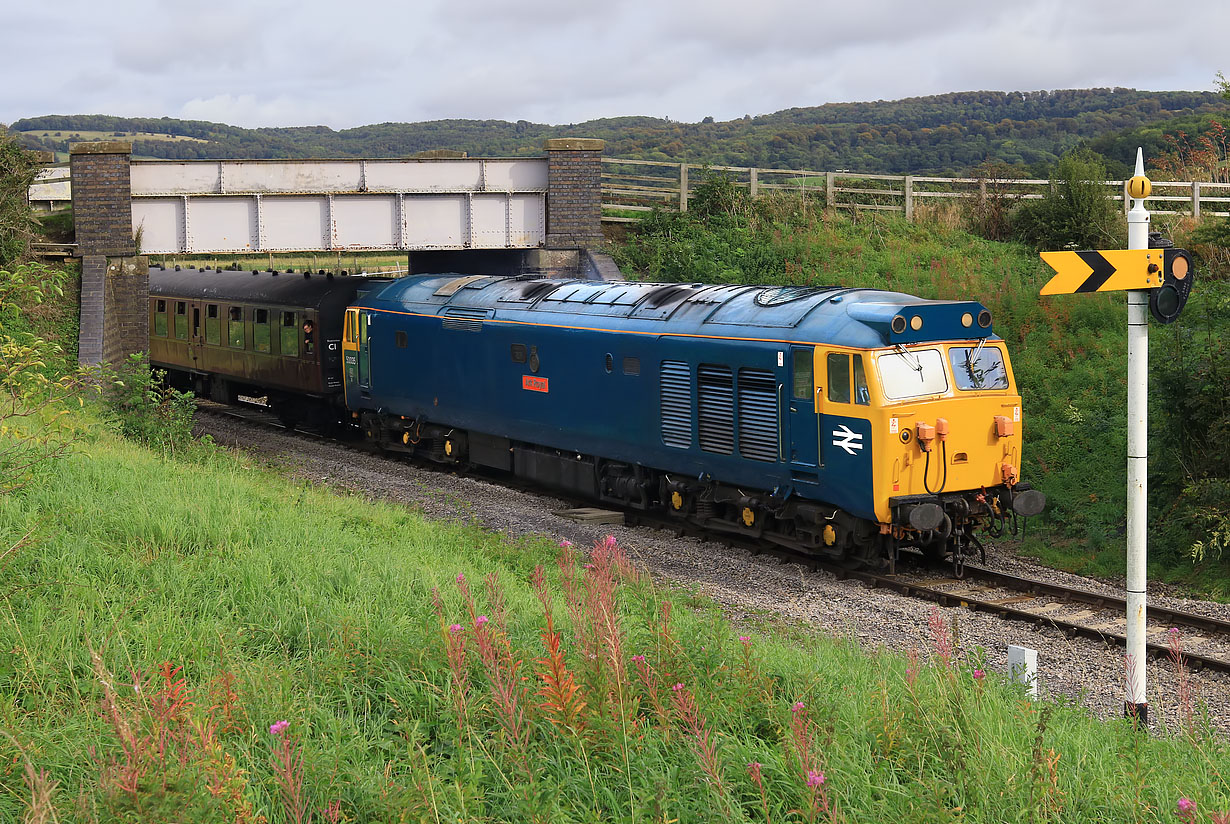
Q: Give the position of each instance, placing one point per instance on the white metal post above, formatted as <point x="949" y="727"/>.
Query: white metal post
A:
<point x="1136" y="704"/>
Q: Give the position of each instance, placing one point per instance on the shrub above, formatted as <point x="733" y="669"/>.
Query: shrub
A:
<point x="17" y="172"/>
<point x="147" y="411"/>
<point x="1075" y="212"/>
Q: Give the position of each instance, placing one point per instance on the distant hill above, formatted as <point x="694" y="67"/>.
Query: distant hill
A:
<point x="941" y="134"/>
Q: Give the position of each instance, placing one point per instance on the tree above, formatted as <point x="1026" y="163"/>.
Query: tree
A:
<point x="18" y="170"/>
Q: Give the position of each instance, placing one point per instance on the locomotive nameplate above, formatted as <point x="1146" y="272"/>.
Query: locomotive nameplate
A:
<point x="535" y="384"/>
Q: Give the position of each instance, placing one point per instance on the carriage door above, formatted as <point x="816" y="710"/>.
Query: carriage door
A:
<point x="804" y="445"/>
<point x="197" y="334"/>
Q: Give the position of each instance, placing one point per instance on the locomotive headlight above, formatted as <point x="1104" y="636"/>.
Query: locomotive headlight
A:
<point x="898" y="324"/>
<point x="916" y="323"/>
<point x="984" y="318"/>
<point x="967" y="320"/>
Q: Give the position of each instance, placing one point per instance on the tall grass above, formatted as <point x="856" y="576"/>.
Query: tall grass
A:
<point x="210" y="641"/>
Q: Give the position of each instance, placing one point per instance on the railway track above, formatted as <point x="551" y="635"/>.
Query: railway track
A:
<point x="1075" y="612"/>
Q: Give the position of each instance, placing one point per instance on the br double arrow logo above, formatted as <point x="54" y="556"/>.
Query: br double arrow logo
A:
<point x="848" y="439"/>
<point x="1106" y="270"/>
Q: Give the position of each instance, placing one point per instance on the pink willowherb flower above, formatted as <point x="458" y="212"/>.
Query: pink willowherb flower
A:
<point x="677" y="687"/>
<point x="278" y="727"/>
<point x="797" y="708"/>
<point x="1186" y="806"/>
<point x="565" y="543"/>
<point x="753" y="769"/>
<point x="814" y="779"/>
<point x="455" y="628"/>
<point x="461" y="578"/>
<point x="979" y="675"/>
<point x="480" y="620"/>
<point x="639" y="658"/>
<point x="745" y="638"/>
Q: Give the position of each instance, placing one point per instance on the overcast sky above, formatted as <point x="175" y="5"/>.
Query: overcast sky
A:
<point x="342" y="64"/>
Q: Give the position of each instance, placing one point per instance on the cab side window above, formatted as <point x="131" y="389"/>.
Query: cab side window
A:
<point x="839" y="377"/>
<point x="803" y="377"/>
<point x="861" y="395"/>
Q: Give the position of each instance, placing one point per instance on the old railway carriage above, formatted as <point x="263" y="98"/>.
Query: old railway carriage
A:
<point x="226" y="333"/>
<point x="840" y="421"/>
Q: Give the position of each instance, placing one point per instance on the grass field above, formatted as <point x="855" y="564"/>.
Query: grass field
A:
<point x="163" y="617"/>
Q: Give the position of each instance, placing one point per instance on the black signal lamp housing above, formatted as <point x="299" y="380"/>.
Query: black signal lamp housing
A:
<point x="1166" y="302"/>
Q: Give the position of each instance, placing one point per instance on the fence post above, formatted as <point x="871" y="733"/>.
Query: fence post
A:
<point x="1196" y="200"/>
<point x="683" y="187"/>
<point x="909" y="198"/>
<point x="828" y="190"/>
<point x="753" y="182"/>
<point x="982" y="190"/>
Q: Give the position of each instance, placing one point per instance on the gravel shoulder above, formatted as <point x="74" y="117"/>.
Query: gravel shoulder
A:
<point x="749" y="588"/>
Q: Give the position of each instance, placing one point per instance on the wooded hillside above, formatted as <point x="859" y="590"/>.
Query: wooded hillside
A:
<point x="941" y="134"/>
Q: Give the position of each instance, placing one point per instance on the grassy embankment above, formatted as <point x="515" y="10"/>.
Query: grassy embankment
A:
<point x="163" y="614"/>
<point x="162" y="617"/>
<point x="1068" y="353"/>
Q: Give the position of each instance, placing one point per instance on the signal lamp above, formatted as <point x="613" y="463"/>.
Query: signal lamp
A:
<point x="1167" y="301"/>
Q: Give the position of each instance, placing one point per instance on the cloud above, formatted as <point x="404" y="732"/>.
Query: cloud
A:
<point x="273" y="63"/>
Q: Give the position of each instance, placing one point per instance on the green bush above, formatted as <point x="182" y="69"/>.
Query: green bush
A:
<point x="17" y="172"/>
<point x="147" y="411"/>
<point x="1075" y="212"/>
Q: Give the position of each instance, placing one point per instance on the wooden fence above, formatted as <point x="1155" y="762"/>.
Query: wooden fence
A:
<point x="630" y="187"/>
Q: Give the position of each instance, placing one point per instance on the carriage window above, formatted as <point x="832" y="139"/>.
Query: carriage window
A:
<point x="234" y="329"/>
<point x="839" y="377"/>
<point x="160" y="318"/>
<point x="978" y="368"/>
<point x="911" y="373"/>
<point x="181" y="320"/>
<point x="213" y="325"/>
<point x="290" y="335"/>
<point x="260" y="330"/>
<point x="861" y="395"/>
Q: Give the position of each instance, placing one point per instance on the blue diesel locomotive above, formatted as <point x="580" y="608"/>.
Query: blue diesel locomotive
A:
<point x="842" y="422"/>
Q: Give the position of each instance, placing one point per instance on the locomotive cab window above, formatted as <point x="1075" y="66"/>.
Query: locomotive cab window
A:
<point x="160" y="318"/>
<point x="181" y="319"/>
<point x="234" y="327"/>
<point x="260" y="330"/>
<point x="289" y="337"/>
<point x="861" y="395"/>
<point x="839" y="377"/>
<point x="911" y="373"/>
<point x="978" y="367"/>
<point x="804" y="380"/>
<point x="213" y="325"/>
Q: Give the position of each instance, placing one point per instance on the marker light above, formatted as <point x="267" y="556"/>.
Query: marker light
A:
<point x="967" y="320"/>
<point x="916" y="323"/>
<point x="984" y="318"/>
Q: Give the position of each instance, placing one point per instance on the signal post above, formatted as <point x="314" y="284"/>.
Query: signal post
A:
<point x="1158" y="280"/>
